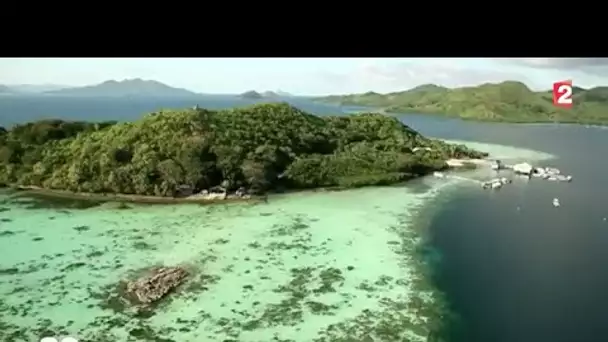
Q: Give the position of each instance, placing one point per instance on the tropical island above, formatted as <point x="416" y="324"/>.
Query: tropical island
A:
<point x="269" y="94"/>
<point x="261" y="148"/>
<point x="126" y="88"/>
<point x="508" y="101"/>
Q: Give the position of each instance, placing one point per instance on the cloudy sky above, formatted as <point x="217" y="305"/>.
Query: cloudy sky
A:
<point x="305" y="76"/>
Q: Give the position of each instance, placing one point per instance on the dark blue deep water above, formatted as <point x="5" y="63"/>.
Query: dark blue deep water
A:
<point x="537" y="274"/>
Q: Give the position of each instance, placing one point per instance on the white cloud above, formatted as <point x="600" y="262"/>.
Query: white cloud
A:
<point x="587" y="65"/>
<point x="401" y="76"/>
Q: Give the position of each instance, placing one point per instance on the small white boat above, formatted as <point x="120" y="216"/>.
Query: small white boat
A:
<point x="496" y="185"/>
<point x="556" y="202"/>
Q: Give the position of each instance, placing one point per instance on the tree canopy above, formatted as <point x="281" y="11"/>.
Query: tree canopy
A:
<point x="261" y="147"/>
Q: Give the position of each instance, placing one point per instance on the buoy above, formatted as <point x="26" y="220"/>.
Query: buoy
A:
<point x="556" y="202"/>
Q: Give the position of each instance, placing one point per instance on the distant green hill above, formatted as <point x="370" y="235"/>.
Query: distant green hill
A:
<point x="508" y="101"/>
<point x="133" y="87"/>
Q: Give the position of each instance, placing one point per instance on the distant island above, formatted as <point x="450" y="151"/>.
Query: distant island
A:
<point x="131" y="87"/>
<point x="126" y="88"/>
<point x="252" y="94"/>
<point x="283" y="93"/>
<point x="30" y="89"/>
<point x="508" y="101"/>
<point x="255" y="149"/>
<point x="269" y="93"/>
<point x="5" y="89"/>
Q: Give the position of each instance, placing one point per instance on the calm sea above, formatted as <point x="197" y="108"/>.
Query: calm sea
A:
<point x="514" y="268"/>
<point x="20" y="109"/>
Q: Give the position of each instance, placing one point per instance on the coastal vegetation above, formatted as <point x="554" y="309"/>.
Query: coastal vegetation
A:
<point x="508" y="101"/>
<point x="264" y="147"/>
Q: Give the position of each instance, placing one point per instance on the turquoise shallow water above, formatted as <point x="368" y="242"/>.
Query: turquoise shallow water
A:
<point x="321" y="266"/>
<point x="294" y="268"/>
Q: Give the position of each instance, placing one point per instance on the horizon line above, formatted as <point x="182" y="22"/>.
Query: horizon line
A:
<point x="66" y="86"/>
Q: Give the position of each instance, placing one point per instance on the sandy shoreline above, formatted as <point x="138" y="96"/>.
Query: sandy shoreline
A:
<point x="499" y="152"/>
<point x="64" y="194"/>
<point x="142" y="199"/>
<point x="458" y="163"/>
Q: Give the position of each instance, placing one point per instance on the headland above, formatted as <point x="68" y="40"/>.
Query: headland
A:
<point x="198" y="155"/>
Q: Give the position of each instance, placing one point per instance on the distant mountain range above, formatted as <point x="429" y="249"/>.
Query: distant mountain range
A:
<point x="127" y="88"/>
<point x="132" y="87"/>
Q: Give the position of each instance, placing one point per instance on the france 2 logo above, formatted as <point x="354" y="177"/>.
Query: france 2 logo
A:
<point x="52" y="339"/>
<point x="562" y="94"/>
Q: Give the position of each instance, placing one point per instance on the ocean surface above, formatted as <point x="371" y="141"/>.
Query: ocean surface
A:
<point x="345" y="266"/>
<point x="15" y="110"/>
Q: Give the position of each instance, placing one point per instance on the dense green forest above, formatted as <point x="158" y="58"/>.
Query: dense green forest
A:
<point x="507" y="101"/>
<point x="262" y="147"/>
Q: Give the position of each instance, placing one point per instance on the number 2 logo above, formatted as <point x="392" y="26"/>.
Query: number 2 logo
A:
<point x="562" y="94"/>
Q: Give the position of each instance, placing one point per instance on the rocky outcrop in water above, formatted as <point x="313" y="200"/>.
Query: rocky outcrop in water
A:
<point x="152" y="288"/>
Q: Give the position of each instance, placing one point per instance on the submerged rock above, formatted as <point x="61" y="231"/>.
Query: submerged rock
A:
<point x="151" y="288"/>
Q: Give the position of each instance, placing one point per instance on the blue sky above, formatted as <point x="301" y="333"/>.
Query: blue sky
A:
<point x="304" y="76"/>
